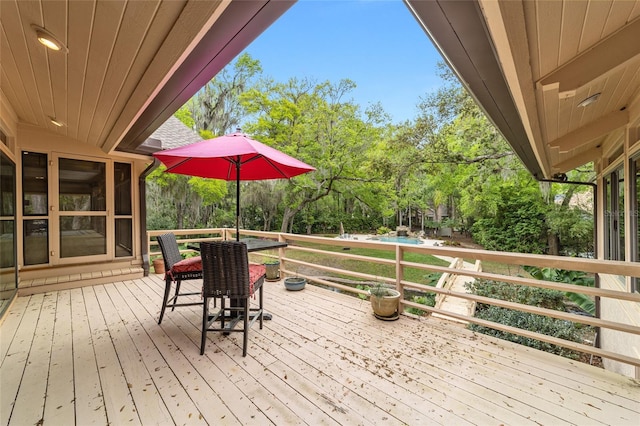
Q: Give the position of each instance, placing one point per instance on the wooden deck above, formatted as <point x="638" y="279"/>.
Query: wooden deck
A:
<point x="96" y="355"/>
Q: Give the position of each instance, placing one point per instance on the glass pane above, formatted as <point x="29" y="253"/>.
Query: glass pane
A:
<point x="82" y="236"/>
<point x="34" y="184"/>
<point x="7" y="252"/>
<point x="8" y="240"/>
<point x="124" y="240"/>
<point x="36" y="241"/>
<point x="7" y="187"/>
<point x="620" y="211"/>
<point x="122" y="185"/>
<point x="82" y="185"/>
<point x="608" y="218"/>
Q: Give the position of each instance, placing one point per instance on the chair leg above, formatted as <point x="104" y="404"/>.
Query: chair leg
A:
<point x="175" y="297"/>
<point x="205" y="322"/>
<point x="167" y="290"/>
<point x="245" y="331"/>
<point x="260" y="301"/>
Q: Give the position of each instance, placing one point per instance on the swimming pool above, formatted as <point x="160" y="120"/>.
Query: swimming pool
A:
<point x="403" y="240"/>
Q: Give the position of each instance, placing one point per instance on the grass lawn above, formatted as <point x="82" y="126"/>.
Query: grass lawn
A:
<point x="411" y="274"/>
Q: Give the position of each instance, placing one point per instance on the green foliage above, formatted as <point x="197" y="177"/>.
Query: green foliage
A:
<point x="432" y="278"/>
<point x="428" y="300"/>
<point x="532" y="322"/>
<point x="383" y="230"/>
<point x="586" y="303"/>
<point x="542" y="297"/>
<point x="380" y="289"/>
<point x="515" y="221"/>
<point x="550" y="299"/>
<point x="184" y="115"/>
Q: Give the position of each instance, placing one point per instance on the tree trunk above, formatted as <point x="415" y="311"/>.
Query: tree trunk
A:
<point x="554" y="244"/>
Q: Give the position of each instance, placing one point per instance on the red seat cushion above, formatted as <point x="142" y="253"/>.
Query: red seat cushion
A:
<point x="188" y="265"/>
<point x="255" y="272"/>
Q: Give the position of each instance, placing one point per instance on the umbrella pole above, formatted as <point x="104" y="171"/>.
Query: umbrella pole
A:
<point x="238" y="200"/>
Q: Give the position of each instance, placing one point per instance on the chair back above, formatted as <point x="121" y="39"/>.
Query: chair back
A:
<point x="170" y="250"/>
<point x="225" y="269"/>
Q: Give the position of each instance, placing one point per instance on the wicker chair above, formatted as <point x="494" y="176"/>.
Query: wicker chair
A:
<point x="177" y="269"/>
<point x="228" y="275"/>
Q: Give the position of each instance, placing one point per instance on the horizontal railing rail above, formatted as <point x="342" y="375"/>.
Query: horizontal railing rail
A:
<point x="291" y="263"/>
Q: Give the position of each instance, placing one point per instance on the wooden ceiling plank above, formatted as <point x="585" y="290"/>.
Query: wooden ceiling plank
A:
<point x="193" y="17"/>
<point x="550" y="13"/>
<point x="618" y="16"/>
<point x="55" y="13"/>
<point x="573" y="16"/>
<point x="624" y="84"/>
<point x="16" y="93"/>
<point x="163" y="20"/>
<point x="135" y="23"/>
<point x="594" y="22"/>
<point x="578" y="160"/>
<point x="18" y="41"/>
<point x="105" y="27"/>
<point x="606" y="55"/>
<point x="635" y="12"/>
<point x="591" y="131"/>
<point x="30" y="13"/>
<point x="80" y="22"/>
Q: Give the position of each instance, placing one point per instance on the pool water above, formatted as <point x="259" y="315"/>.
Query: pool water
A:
<point x="403" y="240"/>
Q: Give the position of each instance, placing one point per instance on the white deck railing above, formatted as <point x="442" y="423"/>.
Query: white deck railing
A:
<point x="289" y="265"/>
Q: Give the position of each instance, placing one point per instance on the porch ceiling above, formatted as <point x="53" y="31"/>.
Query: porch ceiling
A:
<point x="530" y="64"/>
<point x="129" y="66"/>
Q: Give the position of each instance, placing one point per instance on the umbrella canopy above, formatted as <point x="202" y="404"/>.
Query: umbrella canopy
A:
<point x="232" y="157"/>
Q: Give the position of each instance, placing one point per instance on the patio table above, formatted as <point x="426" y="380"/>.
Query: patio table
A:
<point x="253" y="244"/>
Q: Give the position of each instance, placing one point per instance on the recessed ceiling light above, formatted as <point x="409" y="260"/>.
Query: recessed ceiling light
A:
<point x="56" y="122"/>
<point x="48" y="39"/>
<point x="588" y="101"/>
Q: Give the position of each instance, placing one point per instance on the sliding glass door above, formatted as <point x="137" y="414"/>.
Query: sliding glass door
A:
<point x="8" y="241"/>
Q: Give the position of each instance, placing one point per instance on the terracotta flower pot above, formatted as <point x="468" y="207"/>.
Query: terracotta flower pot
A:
<point x="158" y="266"/>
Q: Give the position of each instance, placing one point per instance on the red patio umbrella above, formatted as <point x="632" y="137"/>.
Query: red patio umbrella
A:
<point x="232" y="157"/>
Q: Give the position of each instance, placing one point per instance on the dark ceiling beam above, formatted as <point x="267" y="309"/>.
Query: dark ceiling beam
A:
<point x="240" y="24"/>
<point x="458" y="30"/>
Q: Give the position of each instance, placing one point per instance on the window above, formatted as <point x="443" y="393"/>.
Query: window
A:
<point x="614" y="215"/>
<point x="8" y="240"/>
<point x="634" y="165"/>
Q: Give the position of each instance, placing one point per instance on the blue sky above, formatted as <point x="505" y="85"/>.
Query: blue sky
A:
<point x="376" y="43"/>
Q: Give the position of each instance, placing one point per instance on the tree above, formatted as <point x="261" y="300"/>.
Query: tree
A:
<point x="217" y="108"/>
<point x="311" y="122"/>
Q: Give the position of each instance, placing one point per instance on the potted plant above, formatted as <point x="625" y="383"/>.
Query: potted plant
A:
<point x="385" y="301"/>
<point x="273" y="270"/>
<point x="158" y="265"/>
<point x="295" y="283"/>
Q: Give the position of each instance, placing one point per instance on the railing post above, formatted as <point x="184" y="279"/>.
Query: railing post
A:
<point x="400" y="276"/>
<point x="281" y="254"/>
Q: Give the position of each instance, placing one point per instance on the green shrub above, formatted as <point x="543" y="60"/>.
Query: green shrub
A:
<point x="383" y="230"/>
<point x="542" y="297"/>
<point x="428" y="300"/>
<point x="538" y="323"/>
<point x="545" y="298"/>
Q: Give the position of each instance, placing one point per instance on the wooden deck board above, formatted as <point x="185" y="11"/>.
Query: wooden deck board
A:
<point x="97" y="356"/>
<point x="59" y="407"/>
